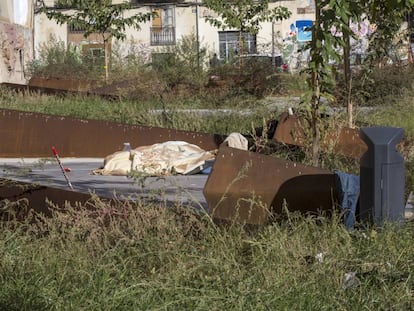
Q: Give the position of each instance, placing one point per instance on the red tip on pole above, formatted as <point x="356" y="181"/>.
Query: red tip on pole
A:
<point x="62" y="168"/>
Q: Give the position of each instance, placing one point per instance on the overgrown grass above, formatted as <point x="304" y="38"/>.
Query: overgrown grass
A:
<point x="181" y="115"/>
<point x="397" y="114"/>
<point x="142" y="257"/>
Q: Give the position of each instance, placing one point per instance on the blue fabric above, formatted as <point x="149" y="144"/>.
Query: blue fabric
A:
<point x="347" y="186"/>
<point x="206" y="171"/>
<point x="208" y="165"/>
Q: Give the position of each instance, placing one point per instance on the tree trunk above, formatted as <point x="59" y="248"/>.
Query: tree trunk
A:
<point x="316" y="91"/>
<point x="315" y="119"/>
<point x="347" y="78"/>
<point x="106" y="52"/>
<point x="241" y="49"/>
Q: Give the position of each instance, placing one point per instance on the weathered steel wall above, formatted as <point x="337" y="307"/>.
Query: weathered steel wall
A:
<point x="249" y="187"/>
<point x="62" y="85"/>
<point x="26" y="134"/>
<point x="344" y="141"/>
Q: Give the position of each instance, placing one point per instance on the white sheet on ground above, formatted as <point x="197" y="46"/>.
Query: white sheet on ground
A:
<point x="159" y="159"/>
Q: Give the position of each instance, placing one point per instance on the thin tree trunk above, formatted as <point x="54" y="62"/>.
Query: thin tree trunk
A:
<point x="316" y="93"/>
<point x="350" y="107"/>
<point x="315" y="119"/>
<point x="241" y="48"/>
<point x="106" y="52"/>
<point x="347" y="77"/>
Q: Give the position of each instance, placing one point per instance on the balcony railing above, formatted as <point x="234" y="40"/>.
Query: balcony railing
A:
<point x="163" y="35"/>
<point x="75" y="29"/>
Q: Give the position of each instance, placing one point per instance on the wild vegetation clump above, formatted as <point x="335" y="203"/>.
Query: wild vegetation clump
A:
<point x="376" y="86"/>
<point x="167" y="73"/>
<point x="135" y="256"/>
<point x="56" y="60"/>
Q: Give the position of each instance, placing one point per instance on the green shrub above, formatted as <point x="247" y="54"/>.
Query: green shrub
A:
<point x="181" y="64"/>
<point x="377" y="86"/>
<point x="128" y="61"/>
<point x="59" y="61"/>
<point x="251" y="76"/>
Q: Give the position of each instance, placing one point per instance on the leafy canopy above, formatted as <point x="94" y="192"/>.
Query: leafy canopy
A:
<point x="244" y="15"/>
<point x="97" y="16"/>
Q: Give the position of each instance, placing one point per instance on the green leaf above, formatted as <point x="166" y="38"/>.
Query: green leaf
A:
<point x="244" y="15"/>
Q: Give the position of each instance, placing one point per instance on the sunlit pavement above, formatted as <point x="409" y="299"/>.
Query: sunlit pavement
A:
<point x="186" y="190"/>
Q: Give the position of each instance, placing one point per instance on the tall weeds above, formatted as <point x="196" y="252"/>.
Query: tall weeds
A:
<point x="143" y="257"/>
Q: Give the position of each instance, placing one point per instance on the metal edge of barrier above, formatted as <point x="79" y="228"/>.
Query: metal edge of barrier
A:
<point x="249" y="187"/>
<point x="28" y="134"/>
<point x="18" y="198"/>
<point x="345" y="141"/>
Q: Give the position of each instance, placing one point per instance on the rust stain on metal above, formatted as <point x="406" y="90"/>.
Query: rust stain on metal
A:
<point x="248" y="187"/>
<point x="344" y="141"/>
<point x="27" y="134"/>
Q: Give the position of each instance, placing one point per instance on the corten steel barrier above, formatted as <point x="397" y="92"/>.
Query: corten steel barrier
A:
<point x="51" y="89"/>
<point x="290" y="130"/>
<point x="71" y="85"/>
<point x="247" y="187"/>
<point x="17" y="197"/>
<point x="27" y="134"/>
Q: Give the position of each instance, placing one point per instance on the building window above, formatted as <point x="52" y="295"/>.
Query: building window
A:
<point x="163" y="27"/>
<point x="97" y="52"/>
<point x="229" y="44"/>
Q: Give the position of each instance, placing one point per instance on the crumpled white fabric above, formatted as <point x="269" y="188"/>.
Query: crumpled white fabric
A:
<point x="237" y="140"/>
<point x="171" y="157"/>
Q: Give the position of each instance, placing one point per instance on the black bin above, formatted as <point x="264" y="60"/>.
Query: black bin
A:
<point x="381" y="176"/>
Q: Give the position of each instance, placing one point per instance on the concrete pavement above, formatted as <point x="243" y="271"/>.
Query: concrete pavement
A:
<point x="167" y="190"/>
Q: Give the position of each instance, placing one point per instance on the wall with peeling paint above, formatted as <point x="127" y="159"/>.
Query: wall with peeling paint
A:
<point x="16" y="40"/>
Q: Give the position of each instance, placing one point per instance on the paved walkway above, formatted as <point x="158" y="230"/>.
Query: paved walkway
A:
<point x="168" y="190"/>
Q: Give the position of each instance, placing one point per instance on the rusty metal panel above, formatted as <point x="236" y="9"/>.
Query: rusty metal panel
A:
<point x="290" y="130"/>
<point x="348" y="142"/>
<point x="19" y="198"/>
<point x="344" y="141"/>
<point x="27" y="134"/>
<point x="248" y="187"/>
<point x="73" y="85"/>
